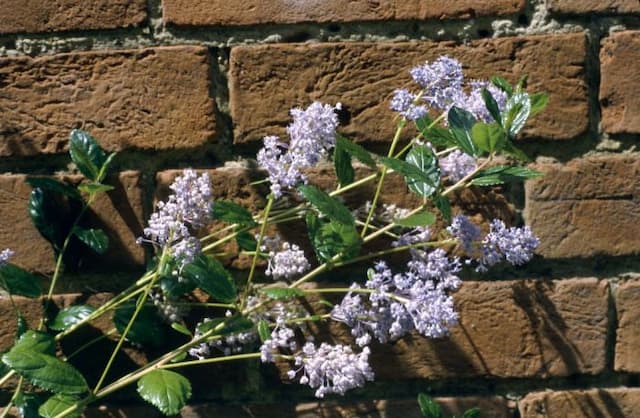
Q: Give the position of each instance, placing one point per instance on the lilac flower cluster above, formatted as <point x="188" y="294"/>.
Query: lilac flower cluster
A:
<point x="515" y="245"/>
<point x="286" y="261"/>
<point x="441" y="81"/>
<point x="167" y="309"/>
<point x="474" y="102"/>
<point x="5" y="255"/>
<point x="188" y="206"/>
<point x="404" y="103"/>
<point x="457" y="165"/>
<point x="416" y="235"/>
<point x="465" y="231"/>
<point x="312" y="134"/>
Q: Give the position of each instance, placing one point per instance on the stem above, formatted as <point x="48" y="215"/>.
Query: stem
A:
<point x="392" y="251"/>
<point x="7" y="408"/>
<point x="210" y="360"/>
<point x="415" y="138"/>
<point x="7" y="377"/>
<point x="93" y="341"/>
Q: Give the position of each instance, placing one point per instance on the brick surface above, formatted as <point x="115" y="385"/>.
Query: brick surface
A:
<point x="145" y="99"/>
<point x="614" y="403"/>
<point x="586" y="207"/>
<point x="242" y="12"/>
<point x="267" y="80"/>
<point x="628" y="333"/>
<point x="620" y="82"/>
<point x="597" y="6"/>
<point x="119" y="213"/>
<point x="510" y="329"/>
<point x="63" y="15"/>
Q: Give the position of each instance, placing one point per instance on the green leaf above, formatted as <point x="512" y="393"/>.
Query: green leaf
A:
<point x="174" y="288"/>
<point x="438" y="136"/>
<point x="538" y="102"/>
<point x="86" y="154"/>
<point x="264" y="331"/>
<point x="54" y="185"/>
<point x="355" y="150"/>
<point x="70" y="316"/>
<point x="516" y="113"/>
<point x="503" y="174"/>
<point x="43" y="213"/>
<point x="329" y="206"/>
<point x="333" y="238"/>
<point x="147" y="329"/>
<point x="342" y="163"/>
<point x="417" y="219"/>
<point x="423" y="158"/>
<point x="181" y="329"/>
<point x="246" y="241"/>
<point x="36" y="341"/>
<point x="211" y="276"/>
<point x="95" y="239"/>
<point x="502" y="84"/>
<point x="45" y="371"/>
<point x="511" y="149"/>
<point x="166" y="390"/>
<point x="488" y="137"/>
<point x="460" y="124"/>
<point x="429" y="407"/>
<point x="444" y="206"/>
<point x="225" y="326"/>
<point x="471" y="413"/>
<point x="17" y="281"/>
<point x="491" y="105"/>
<point x="21" y="328"/>
<point x="279" y="293"/>
<point x="27" y="404"/>
<point x="412" y="174"/>
<point x="94" y="188"/>
<point x="58" y="404"/>
<point x="105" y="166"/>
<point x="232" y="213"/>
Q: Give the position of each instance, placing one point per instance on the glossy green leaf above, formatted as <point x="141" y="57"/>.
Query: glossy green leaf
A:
<point x="502" y="84"/>
<point x="264" y="331"/>
<point x="54" y="185"/>
<point x="411" y="173"/>
<point x="95" y="239"/>
<point x="59" y="403"/>
<point x="174" y="288"/>
<point x="516" y="113"/>
<point x="428" y="407"/>
<point x="105" y="166"/>
<point x="436" y="135"/>
<point x="225" y="326"/>
<point x="355" y="150"/>
<point x="86" y="154"/>
<point x="44" y="216"/>
<point x="94" y="188"/>
<point x="444" y="206"/>
<point x="491" y="105"/>
<point x="503" y="174"/>
<point x="342" y="164"/>
<point x="27" y="405"/>
<point x="147" y="329"/>
<point x="232" y="213"/>
<point x="36" y="341"/>
<point x="471" y="413"/>
<point x="488" y="137"/>
<point x="281" y="292"/>
<point x="181" y="329"/>
<point x="70" y="316"/>
<point x="539" y="102"/>
<point x="211" y="276"/>
<point x="166" y="390"/>
<point x="332" y="238"/>
<point x="246" y="241"/>
<point x="511" y="149"/>
<point x="423" y="158"/>
<point x="417" y="219"/>
<point x="329" y="206"/>
<point x="460" y="124"/>
<point x="19" y="282"/>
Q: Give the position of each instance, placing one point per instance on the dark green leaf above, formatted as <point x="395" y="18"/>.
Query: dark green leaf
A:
<point x="58" y="404"/>
<point x="429" y="407"/>
<point x="225" y="326"/>
<point x="522" y="83"/>
<point x="417" y="219"/>
<point x="19" y="282"/>
<point x="43" y="214"/>
<point x="36" y="341"/>
<point x="27" y="404"/>
<point x="342" y="163"/>
<point x="333" y="238"/>
<point x="246" y="241"/>
<point x="264" y="331"/>
<point x="491" y="105"/>
<point x="211" y="276"/>
<point x="423" y="158"/>
<point x="232" y="213"/>
<point x="45" y="371"/>
<point x="460" y="124"/>
<point x="166" y="390"/>
<point x="516" y="113"/>
<point x="510" y="149"/>
<point x="94" y="188"/>
<point x="538" y="102"/>
<point x="71" y="316"/>
<point x="444" y="206"/>
<point x="86" y="154"/>
<point x="54" y="185"/>
<point x="147" y="329"/>
<point x="281" y="292"/>
<point x="327" y="205"/>
<point x="502" y="84"/>
<point x="471" y="413"/>
<point x="105" y="166"/>
<point x="95" y="239"/>
<point x="488" y="137"/>
<point x="172" y="287"/>
<point x="181" y="329"/>
<point x="434" y="134"/>
<point x="22" y="326"/>
<point x="355" y="150"/>
<point x="503" y="174"/>
<point x="411" y="173"/>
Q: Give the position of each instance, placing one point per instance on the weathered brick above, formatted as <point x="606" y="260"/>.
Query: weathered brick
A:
<point x="576" y="209"/>
<point x="119" y="213"/>
<point x="64" y="15"/>
<point x="239" y="12"/>
<point x="628" y="333"/>
<point x="510" y="329"/>
<point x="593" y="6"/>
<point x="614" y="402"/>
<point x="149" y="99"/>
<point x="620" y="82"/>
<point x="267" y="80"/>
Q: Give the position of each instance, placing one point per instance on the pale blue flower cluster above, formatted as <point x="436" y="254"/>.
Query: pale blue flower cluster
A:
<point x="403" y="102"/>
<point x="5" y="255"/>
<point x="286" y="260"/>
<point x="312" y="134"/>
<point x="465" y="231"/>
<point x="457" y="165"/>
<point x="515" y="245"/>
<point x="475" y="102"/>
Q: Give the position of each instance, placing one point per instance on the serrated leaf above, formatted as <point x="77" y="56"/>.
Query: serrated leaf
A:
<point x="460" y="124"/>
<point x="246" y="241"/>
<point x="333" y="238"/>
<point x="471" y="413"/>
<point x="538" y="102"/>
<point x="181" y="329"/>
<point x="27" y="405"/>
<point x="342" y="164"/>
<point x="54" y="185"/>
<point x="516" y="113"/>
<point x="43" y="213"/>
<point x="434" y="134"/>
<point x="279" y="293"/>
<point x="491" y="105"/>
<point x="166" y="390"/>
<point x="174" y="288"/>
<point x="232" y="213"/>
<point x="70" y="316"/>
<point x="488" y="137"/>
<point x="355" y="150"/>
<point x="423" y="158"/>
<point x="417" y="219"/>
<point x="38" y="341"/>
<point x="329" y="206"/>
<point x="94" y="188"/>
<point x="444" y="206"/>
<point x="95" y="239"/>
<point x="19" y="282"/>
<point x="503" y="174"/>
<point x="105" y="166"/>
<point x="428" y="407"/>
<point x="46" y="371"/>
<point x="264" y="331"/>
<point x="502" y="84"/>
<point x="147" y="329"/>
<point x="211" y="276"/>
<point x="86" y="154"/>
<point x="59" y="403"/>
<point x="411" y="173"/>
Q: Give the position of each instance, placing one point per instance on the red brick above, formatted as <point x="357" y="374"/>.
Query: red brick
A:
<point x="614" y="402"/>
<point x="628" y="333"/>
<point x="586" y="207"/>
<point x="119" y="213"/>
<point x="620" y="82"/>
<point x="151" y="99"/>
<point x="267" y="80"/>
<point x="239" y="12"/>
<point x="510" y="329"/>
<point x="594" y="6"/>
<point x="63" y="15"/>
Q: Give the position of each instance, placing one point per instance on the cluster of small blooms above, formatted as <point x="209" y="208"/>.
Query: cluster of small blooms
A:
<point x="456" y="165"/>
<point x="167" y="309"/>
<point x="465" y="231"/>
<point x="227" y="345"/>
<point x="281" y="337"/>
<point x="188" y="206"/>
<point x="515" y="245"/>
<point x="441" y="81"/>
<point x="475" y="102"/>
<point x="386" y="212"/>
<point x="5" y="255"/>
<point x="312" y="134"/>
<point x="403" y="102"/>
<point x="415" y="236"/>
<point x="286" y="262"/>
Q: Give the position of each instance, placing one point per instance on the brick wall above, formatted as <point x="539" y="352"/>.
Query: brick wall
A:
<point x="176" y="83"/>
